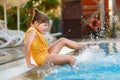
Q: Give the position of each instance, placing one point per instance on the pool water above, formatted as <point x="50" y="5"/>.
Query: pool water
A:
<point x="92" y="64"/>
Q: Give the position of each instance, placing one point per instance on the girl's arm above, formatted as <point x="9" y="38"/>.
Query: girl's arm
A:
<point x="29" y="39"/>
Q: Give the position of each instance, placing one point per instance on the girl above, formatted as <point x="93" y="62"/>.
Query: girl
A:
<point x="37" y="47"/>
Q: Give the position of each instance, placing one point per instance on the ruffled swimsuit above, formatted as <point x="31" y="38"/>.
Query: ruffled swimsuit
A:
<point x="39" y="47"/>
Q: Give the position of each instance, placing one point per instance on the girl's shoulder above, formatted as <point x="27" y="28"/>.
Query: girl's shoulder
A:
<point x="30" y="34"/>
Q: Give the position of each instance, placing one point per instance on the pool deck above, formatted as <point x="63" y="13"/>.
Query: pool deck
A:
<point x="8" y="55"/>
<point x="13" y="66"/>
<point x="12" y="62"/>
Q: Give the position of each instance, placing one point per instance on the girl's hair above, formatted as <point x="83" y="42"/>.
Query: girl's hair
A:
<point x="39" y="17"/>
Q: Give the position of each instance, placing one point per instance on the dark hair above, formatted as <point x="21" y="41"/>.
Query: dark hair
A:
<point x="39" y="16"/>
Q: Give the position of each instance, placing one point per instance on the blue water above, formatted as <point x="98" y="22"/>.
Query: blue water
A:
<point x="92" y="64"/>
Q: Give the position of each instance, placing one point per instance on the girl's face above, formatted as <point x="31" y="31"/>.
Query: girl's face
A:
<point x="42" y="28"/>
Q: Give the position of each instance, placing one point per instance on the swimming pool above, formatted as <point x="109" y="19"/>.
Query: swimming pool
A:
<point x="103" y="64"/>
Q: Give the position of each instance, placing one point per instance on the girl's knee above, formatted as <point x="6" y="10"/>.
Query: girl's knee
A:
<point x="63" y="39"/>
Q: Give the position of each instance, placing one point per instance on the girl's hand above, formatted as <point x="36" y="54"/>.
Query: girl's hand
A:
<point x="32" y="66"/>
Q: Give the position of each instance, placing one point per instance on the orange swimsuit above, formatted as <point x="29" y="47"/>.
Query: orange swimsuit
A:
<point x="39" y="46"/>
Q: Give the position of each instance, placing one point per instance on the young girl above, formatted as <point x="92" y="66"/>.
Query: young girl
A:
<point x="37" y="47"/>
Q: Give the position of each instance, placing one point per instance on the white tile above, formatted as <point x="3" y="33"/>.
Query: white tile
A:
<point x="21" y="61"/>
<point x="10" y="64"/>
<point x="2" y="67"/>
<point x="9" y="73"/>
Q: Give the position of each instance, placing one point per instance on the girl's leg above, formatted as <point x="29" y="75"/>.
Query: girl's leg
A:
<point x="58" y="45"/>
<point x="60" y="59"/>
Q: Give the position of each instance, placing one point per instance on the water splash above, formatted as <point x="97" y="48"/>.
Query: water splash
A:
<point x="93" y="64"/>
<point x="90" y="56"/>
<point x="94" y="56"/>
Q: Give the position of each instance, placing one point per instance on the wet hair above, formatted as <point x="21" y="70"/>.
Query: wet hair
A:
<point x="39" y="16"/>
